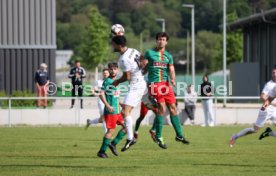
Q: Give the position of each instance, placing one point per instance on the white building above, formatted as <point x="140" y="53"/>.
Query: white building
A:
<point x="62" y="58"/>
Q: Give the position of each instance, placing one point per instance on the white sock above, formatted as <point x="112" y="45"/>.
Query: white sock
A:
<point x="128" y="122"/>
<point x="244" y="132"/>
<point x="272" y="133"/>
<point x="94" y="121"/>
<point x="104" y="127"/>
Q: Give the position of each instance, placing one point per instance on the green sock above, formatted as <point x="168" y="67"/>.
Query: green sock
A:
<point x="153" y="128"/>
<point x="105" y="144"/>
<point x="176" y="125"/>
<point x="159" y="125"/>
<point x="119" y="137"/>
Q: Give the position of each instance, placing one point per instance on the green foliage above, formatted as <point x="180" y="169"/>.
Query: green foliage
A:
<point x="208" y="50"/>
<point x="21" y="103"/>
<point x="95" y="47"/>
<point x="234" y="43"/>
<point x="74" y="25"/>
<point x="241" y="8"/>
<point x="258" y="5"/>
<point x="3" y="103"/>
<point x="177" y="47"/>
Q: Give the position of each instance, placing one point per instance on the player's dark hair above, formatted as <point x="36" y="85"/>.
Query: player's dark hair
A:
<point x="112" y="65"/>
<point x="274" y="68"/>
<point x="206" y="76"/>
<point x="162" y="34"/>
<point x="77" y="61"/>
<point x="105" y="69"/>
<point x="120" y="40"/>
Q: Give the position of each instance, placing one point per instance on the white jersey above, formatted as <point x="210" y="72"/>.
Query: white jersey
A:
<point x="98" y="86"/>
<point x="270" y="112"/>
<point x="130" y="61"/>
<point x="270" y="89"/>
<point x="272" y="93"/>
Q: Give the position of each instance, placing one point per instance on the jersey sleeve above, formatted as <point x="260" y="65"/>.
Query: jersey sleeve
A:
<point x="266" y="89"/>
<point x="146" y="55"/>
<point x="125" y="65"/>
<point x="36" y="76"/>
<point x="48" y="78"/>
<point x="170" y="60"/>
<point x="71" y="74"/>
<point x="272" y="93"/>
<point x="104" y="85"/>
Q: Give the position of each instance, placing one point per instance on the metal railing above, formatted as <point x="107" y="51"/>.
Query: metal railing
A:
<point x="77" y="110"/>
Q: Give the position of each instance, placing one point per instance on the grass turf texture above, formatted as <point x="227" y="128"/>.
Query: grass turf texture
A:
<point x="72" y="151"/>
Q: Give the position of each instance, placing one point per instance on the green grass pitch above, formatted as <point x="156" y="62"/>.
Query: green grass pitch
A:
<point x="26" y="151"/>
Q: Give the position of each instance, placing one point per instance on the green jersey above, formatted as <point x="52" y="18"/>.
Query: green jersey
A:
<point x="158" y="63"/>
<point x="112" y="96"/>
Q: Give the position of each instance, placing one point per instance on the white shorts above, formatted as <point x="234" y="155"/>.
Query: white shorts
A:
<point x="101" y="107"/>
<point x="268" y="114"/>
<point x="136" y="92"/>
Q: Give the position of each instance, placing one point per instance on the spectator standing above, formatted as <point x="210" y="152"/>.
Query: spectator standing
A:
<point x="42" y="81"/>
<point x="76" y="75"/>
<point x="190" y="100"/>
<point x="206" y="90"/>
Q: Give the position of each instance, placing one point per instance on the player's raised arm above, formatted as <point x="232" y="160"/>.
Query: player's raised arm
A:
<point x="125" y="77"/>
<point x="144" y="64"/>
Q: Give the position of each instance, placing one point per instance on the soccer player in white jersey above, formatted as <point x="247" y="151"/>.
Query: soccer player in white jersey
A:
<point x="97" y="89"/>
<point x="129" y="63"/>
<point x="268" y="131"/>
<point x="267" y="111"/>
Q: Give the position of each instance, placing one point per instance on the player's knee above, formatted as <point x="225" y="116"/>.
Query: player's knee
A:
<point x="256" y="129"/>
<point x="109" y="133"/>
<point x="161" y="111"/>
<point x="173" y="110"/>
<point x="125" y="112"/>
<point x="101" y="120"/>
<point x="124" y="129"/>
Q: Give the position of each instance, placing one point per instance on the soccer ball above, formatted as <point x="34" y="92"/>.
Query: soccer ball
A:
<point x="117" y="29"/>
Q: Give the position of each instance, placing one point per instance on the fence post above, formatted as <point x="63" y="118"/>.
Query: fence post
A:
<point x="9" y="100"/>
<point x="79" y="108"/>
<point x="76" y="110"/>
<point x="216" y="103"/>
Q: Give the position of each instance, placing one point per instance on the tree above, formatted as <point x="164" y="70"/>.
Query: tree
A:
<point x="208" y="15"/>
<point x="96" y="46"/>
<point x="234" y="42"/>
<point x="63" y="10"/>
<point x="258" y="5"/>
<point x="208" y="50"/>
<point x="241" y="8"/>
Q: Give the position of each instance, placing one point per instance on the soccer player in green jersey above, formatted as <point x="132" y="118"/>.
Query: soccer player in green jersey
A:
<point x="159" y="64"/>
<point x="110" y="96"/>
